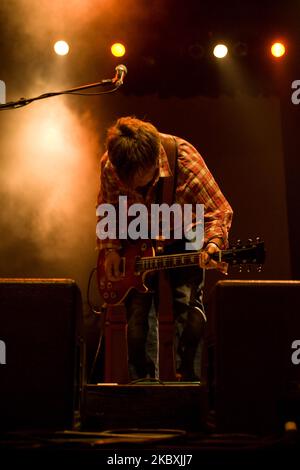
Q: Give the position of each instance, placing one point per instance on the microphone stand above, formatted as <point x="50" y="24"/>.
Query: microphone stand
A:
<point x="24" y="101"/>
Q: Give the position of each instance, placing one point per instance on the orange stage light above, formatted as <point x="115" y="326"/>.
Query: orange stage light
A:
<point x="118" y="49"/>
<point x="277" y="49"/>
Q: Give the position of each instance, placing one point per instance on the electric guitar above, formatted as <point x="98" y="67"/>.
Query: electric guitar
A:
<point x="139" y="260"/>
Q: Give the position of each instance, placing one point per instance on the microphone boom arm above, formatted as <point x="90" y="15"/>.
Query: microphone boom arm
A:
<point x="24" y="101"/>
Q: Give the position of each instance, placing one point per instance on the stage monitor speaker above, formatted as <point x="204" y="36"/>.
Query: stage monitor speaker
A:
<point x="41" y="353"/>
<point x="256" y="384"/>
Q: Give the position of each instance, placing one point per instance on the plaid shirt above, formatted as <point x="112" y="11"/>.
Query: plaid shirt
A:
<point x="195" y="185"/>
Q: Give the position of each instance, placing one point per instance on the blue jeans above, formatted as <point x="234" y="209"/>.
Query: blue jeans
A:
<point x="189" y="324"/>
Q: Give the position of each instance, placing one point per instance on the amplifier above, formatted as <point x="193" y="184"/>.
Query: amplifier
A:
<point x="41" y="349"/>
<point x="256" y="383"/>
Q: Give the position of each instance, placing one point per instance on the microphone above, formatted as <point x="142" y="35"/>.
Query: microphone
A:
<point x="121" y="71"/>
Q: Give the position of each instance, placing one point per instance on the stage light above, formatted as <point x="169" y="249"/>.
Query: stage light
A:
<point x="277" y="49"/>
<point x="61" y="47"/>
<point x="118" y="49"/>
<point x="220" y="51"/>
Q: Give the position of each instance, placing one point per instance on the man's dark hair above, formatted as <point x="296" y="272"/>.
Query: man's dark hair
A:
<point x="133" y="146"/>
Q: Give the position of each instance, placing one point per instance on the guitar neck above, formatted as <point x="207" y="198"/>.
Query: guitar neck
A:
<point x="153" y="263"/>
<point x="253" y="253"/>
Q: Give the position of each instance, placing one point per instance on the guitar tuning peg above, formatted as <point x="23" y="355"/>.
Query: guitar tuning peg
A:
<point x="259" y="268"/>
<point x="257" y="239"/>
<point x="238" y="242"/>
<point x="248" y="268"/>
<point x="240" y="268"/>
<point x="250" y="240"/>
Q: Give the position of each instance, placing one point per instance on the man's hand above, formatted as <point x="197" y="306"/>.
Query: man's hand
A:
<point x="112" y="265"/>
<point x="206" y="261"/>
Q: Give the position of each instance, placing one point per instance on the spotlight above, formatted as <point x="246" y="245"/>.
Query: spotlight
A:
<point x="118" y="49"/>
<point x="61" y="47"/>
<point x="277" y="49"/>
<point x="220" y="51"/>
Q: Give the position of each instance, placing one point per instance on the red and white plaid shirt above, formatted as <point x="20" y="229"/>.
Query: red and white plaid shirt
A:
<point x="195" y="185"/>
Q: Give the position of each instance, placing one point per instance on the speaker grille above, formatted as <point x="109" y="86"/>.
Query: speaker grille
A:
<point x="254" y="325"/>
<point x="40" y="324"/>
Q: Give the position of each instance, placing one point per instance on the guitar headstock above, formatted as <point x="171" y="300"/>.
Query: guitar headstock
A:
<point x="246" y="254"/>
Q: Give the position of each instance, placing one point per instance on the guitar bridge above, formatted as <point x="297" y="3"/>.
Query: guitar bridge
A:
<point x="136" y="271"/>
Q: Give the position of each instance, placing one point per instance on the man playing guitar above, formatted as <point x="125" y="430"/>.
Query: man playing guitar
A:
<point x="134" y="165"/>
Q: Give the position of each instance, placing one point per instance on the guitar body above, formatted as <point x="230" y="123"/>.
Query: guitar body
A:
<point x="114" y="292"/>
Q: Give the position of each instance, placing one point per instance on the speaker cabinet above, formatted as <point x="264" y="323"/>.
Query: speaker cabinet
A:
<point x="256" y="385"/>
<point x="41" y="353"/>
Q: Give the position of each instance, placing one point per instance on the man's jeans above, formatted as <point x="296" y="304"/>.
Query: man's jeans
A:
<point x="189" y="323"/>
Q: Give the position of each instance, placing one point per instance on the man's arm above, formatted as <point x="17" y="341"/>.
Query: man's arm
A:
<point x="108" y="194"/>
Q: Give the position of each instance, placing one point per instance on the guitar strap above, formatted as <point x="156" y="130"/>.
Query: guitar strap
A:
<point x="166" y="194"/>
<point x="168" y="185"/>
